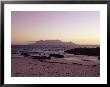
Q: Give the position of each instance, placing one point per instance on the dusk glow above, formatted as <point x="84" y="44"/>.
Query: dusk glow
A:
<point x="81" y="27"/>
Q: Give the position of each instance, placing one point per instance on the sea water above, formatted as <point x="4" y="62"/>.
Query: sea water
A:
<point x="16" y="51"/>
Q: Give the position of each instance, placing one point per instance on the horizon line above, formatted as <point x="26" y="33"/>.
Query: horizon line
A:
<point x="51" y="40"/>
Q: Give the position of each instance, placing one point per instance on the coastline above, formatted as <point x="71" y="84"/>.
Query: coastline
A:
<point x="28" y="67"/>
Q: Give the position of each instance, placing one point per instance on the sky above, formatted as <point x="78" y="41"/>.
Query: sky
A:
<point x="80" y="27"/>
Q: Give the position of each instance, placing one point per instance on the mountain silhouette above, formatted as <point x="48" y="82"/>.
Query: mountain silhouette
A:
<point x="53" y="43"/>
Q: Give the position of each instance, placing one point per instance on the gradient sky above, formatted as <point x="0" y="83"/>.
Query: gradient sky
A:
<point x="81" y="27"/>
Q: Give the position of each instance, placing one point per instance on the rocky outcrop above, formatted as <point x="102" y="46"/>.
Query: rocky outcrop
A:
<point x="57" y="55"/>
<point x="85" y="51"/>
<point x="40" y="57"/>
<point x="25" y="54"/>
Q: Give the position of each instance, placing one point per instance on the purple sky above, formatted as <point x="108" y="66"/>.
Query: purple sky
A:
<point x="82" y="27"/>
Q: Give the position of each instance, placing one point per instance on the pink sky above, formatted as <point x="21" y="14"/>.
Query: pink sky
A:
<point x="82" y="27"/>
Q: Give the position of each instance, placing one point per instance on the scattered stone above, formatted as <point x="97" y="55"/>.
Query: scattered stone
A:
<point x="57" y="55"/>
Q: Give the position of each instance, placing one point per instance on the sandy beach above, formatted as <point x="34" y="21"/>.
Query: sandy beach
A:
<point x="55" y="43"/>
<point x="71" y="67"/>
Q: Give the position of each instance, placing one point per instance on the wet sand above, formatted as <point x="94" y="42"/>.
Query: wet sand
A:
<point x="28" y="67"/>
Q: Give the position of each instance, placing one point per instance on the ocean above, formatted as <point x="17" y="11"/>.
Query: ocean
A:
<point x="17" y="50"/>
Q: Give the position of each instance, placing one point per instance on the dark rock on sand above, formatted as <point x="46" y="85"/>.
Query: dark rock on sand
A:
<point x="40" y="57"/>
<point x="33" y="52"/>
<point x="14" y="53"/>
<point x="98" y="57"/>
<point x="85" y="51"/>
<point x="57" y="55"/>
<point x="25" y="54"/>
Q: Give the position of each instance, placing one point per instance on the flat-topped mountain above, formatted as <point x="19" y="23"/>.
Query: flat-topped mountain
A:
<point x="53" y="43"/>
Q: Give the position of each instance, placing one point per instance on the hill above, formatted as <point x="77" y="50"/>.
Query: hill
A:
<point x="53" y="43"/>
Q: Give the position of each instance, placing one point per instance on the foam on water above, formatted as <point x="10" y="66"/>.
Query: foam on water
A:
<point x="17" y="50"/>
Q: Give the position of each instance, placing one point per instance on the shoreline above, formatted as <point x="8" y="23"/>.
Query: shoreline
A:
<point x="28" y="67"/>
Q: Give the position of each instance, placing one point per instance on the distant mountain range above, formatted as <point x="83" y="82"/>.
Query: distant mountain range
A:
<point x="55" y="43"/>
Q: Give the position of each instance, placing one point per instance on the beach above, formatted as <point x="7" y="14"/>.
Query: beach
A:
<point x="62" y="67"/>
<point x="55" y="43"/>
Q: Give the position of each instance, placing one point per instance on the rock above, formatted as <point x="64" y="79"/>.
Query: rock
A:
<point x="98" y="57"/>
<point x="57" y="55"/>
<point x="25" y="54"/>
<point x="40" y="57"/>
<point x="85" y="51"/>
